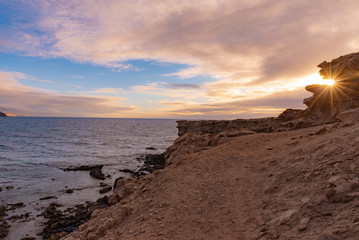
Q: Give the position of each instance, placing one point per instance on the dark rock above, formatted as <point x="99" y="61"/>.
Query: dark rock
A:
<point x="9" y="187"/>
<point x="105" y="190"/>
<point x="102" y="184"/>
<point x="82" y="168"/>
<point x="69" y="191"/>
<point x="2" y="114"/>
<point x="103" y="201"/>
<point x="2" y="211"/>
<point x="16" y="205"/>
<point x="60" y="223"/>
<point x="151" y="148"/>
<point x="4" y="229"/>
<point x="97" y="173"/>
<point x="127" y="171"/>
<point x="47" y="197"/>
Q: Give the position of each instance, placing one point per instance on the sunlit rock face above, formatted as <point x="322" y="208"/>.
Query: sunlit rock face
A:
<point x="328" y="101"/>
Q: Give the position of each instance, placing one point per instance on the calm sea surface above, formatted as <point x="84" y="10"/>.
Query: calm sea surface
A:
<point x="32" y="151"/>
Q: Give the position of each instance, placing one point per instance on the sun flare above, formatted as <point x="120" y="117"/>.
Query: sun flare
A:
<point x="329" y="82"/>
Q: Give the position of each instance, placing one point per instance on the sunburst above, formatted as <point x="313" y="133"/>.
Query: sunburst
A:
<point x="334" y="89"/>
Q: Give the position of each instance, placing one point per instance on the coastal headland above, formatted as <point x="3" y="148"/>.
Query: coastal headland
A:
<point x="295" y="176"/>
<point x="291" y="177"/>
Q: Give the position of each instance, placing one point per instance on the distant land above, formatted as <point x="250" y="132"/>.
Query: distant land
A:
<point x="2" y="114"/>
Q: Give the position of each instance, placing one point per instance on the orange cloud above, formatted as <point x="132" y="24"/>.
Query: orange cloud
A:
<point x="19" y="99"/>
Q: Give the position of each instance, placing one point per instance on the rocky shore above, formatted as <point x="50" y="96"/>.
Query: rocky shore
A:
<point x="295" y="176"/>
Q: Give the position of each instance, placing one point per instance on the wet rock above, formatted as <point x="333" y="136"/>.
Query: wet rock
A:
<point x="151" y="148"/>
<point x="4" y="229"/>
<point x="59" y="223"/>
<point x="16" y="205"/>
<point x="102" y="184"/>
<point x="28" y="238"/>
<point x="47" y="197"/>
<point x="97" y="173"/>
<point x="103" y="201"/>
<point x="9" y="187"/>
<point x="126" y="170"/>
<point x="2" y="211"/>
<point x="69" y="191"/>
<point x="82" y="168"/>
<point x="105" y="190"/>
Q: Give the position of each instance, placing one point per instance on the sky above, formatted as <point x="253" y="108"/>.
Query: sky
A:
<point x="181" y="59"/>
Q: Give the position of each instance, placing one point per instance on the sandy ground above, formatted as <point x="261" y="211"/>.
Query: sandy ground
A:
<point x="260" y="186"/>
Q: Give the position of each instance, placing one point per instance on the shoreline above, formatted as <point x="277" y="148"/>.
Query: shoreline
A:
<point x="235" y="190"/>
<point x="48" y="222"/>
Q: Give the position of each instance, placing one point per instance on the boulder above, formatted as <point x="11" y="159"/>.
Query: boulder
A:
<point x="96" y="172"/>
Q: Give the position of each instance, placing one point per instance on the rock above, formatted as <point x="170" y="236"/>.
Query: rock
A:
<point x="96" y="172"/>
<point x="348" y="116"/>
<point x="284" y="217"/>
<point x="102" y="184"/>
<point x="2" y="114"/>
<point x="322" y="130"/>
<point x="330" y="193"/>
<point x="28" y="238"/>
<point x="151" y="148"/>
<point x="16" y="205"/>
<point x="47" y="197"/>
<point x="303" y="224"/>
<point x="353" y="167"/>
<point x="82" y="168"/>
<point x="126" y="170"/>
<point x="4" y="229"/>
<point x="2" y="211"/>
<point x="69" y="191"/>
<point x="103" y="201"/>
<point x="336" y="102"/>
<point x="337" y="180"/>
<point x="9" y="187"/>
<point x="105" y="190"/>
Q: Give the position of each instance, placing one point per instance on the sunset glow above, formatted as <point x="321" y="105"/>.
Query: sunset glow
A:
<point x="167" y="59"/>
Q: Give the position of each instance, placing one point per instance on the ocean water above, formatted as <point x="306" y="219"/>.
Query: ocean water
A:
<point x="33" y="151"/>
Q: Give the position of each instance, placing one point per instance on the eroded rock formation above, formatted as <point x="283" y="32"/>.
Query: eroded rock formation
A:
<point x="328" y="101"/>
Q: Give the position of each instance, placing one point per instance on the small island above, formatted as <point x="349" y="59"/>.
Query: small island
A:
<point x="3" y="114"/>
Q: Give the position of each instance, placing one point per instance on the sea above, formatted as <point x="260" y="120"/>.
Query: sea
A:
<point x="34" y="150"/>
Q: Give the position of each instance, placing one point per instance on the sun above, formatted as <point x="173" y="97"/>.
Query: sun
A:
<point x="329" y="82"/>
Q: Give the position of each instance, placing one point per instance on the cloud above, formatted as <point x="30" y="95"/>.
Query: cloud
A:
<point x="18" y="99"/>
<point x="183" y="86"/>
<point x="249" y="50"/>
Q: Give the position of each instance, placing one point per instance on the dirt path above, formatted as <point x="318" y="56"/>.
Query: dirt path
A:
<point x="261" y="186"/>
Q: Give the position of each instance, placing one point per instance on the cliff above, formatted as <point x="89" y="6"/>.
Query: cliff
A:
<point x="251" y="178"/>
<point x="2" y="114"/>
<point x="302" y="184"/>
<point x="289" y="119"/>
